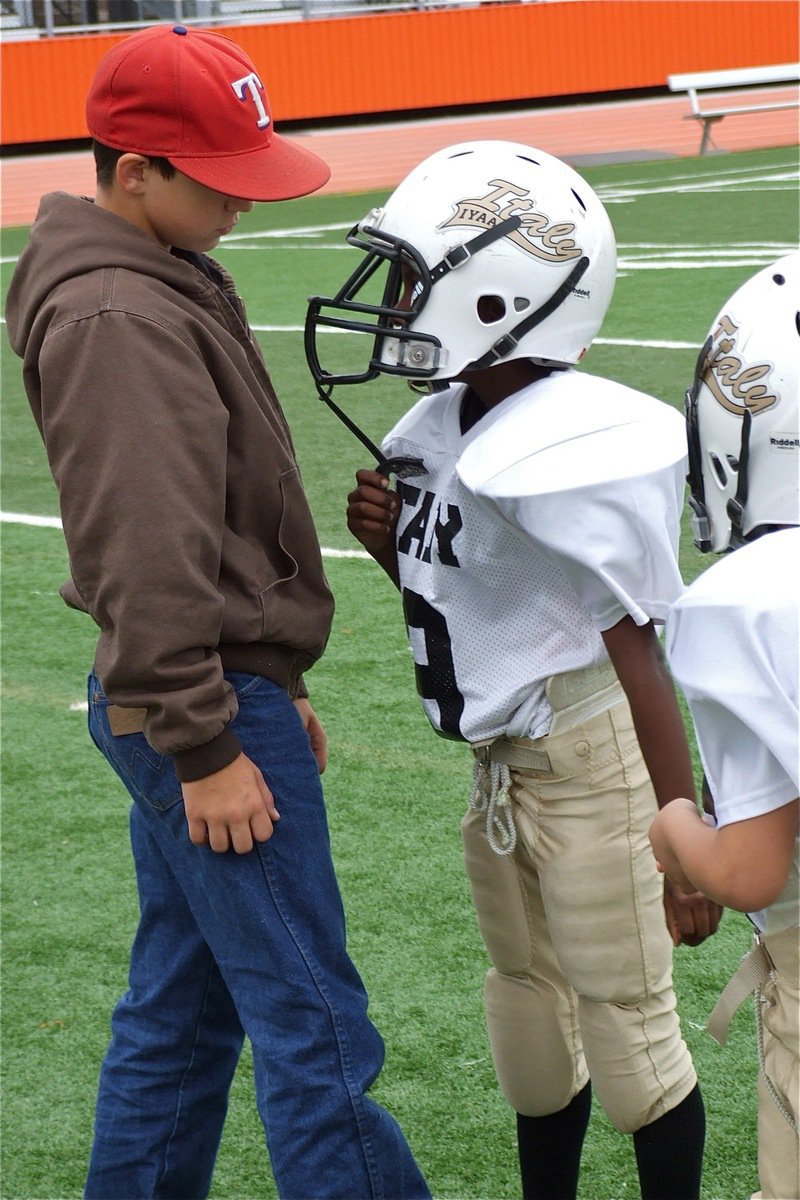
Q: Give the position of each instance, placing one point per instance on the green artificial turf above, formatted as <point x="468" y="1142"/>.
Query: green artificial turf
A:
<point x="689" y="232"/>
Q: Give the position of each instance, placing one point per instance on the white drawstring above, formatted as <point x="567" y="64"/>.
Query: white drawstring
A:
<point x="491" y="793"/>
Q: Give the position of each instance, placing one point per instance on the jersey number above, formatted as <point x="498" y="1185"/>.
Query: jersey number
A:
<point x="436" y="680"/>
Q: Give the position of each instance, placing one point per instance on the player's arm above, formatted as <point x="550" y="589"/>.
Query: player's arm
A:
<point x="641" y="667"/>
<point x="372" y="512"/>
<point x="638" y="659"/>
<point x="744" y="865"/>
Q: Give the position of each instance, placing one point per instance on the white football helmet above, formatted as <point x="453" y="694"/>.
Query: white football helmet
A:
<point x="503" y="251"/>
<point x="742" y="413"/>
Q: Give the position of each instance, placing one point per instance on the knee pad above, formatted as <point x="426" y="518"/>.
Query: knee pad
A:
<point x="638" y="1061"/>
<point x="536" y="1045"/>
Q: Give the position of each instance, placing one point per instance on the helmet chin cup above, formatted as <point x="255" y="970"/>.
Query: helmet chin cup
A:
<point x="401" y="467"/>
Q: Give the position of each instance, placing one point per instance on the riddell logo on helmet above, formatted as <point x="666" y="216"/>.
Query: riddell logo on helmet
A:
<point x="784" y="441"/>
<point x="735" y="386"/>
<point x="536" y="235"/>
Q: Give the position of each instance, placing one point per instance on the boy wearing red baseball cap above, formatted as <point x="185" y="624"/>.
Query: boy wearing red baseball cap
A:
<point x="192" y="547"/>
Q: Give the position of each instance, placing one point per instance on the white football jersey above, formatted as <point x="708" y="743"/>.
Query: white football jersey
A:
<point x="510" y="568"/>
<point x="732" y="644"/>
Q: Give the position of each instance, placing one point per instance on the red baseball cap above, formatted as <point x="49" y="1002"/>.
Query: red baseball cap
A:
<point x="195" y="98"/>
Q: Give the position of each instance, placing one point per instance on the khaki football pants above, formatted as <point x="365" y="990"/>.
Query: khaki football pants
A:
<point x="574" y="925"/>
<point x="778" y="1147"/>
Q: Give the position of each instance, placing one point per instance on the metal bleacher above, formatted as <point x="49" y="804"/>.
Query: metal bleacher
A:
<point x="51" y="18"/>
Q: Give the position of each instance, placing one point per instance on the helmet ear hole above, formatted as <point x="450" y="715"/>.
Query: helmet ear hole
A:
<point x="521" y="303"/>
<point x="491" y="309"/>
<point x="719" y="470"/>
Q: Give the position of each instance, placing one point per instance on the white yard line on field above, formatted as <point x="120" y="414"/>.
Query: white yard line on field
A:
<point x="647" y="344"/>
<point x="11" y="518"/>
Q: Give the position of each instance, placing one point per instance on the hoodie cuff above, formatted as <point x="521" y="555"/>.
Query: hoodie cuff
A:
<point x="204" y="760"/>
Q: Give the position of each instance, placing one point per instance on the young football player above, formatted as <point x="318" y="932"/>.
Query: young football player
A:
<point x="533" y="535"/>
<point x="732" y="642"/>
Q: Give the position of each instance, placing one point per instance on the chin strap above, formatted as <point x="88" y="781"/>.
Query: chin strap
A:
<point x="461" y="254"/>
<point x="402" y="468"/>
<point x="736" y="506"/>
<point x="509" y="341"/>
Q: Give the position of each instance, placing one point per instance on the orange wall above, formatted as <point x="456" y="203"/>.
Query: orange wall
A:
<point x="396" y="61"/>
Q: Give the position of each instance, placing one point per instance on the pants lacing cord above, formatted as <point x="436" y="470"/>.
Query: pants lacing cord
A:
<point x="574" y="696"/>
<point x="753" y="972"/>
<point x="491" y="793"/>
<point x="773" y="1092"/>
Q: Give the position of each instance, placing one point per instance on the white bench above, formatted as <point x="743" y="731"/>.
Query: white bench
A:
<point x="722" y="81"/>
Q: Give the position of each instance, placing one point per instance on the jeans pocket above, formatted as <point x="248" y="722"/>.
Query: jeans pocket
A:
<point x="245" y="684"/>
<point x="149" y="776"/>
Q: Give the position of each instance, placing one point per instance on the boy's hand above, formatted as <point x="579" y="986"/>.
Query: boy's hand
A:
<point x="691" y="918"/>
<point x="231" y="809"/>
<point x="679" y="814"/>
<point x="316" y="733"/>
<point x="372" y="510"/>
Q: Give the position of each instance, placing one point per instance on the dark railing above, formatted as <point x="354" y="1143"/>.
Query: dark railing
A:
<point x="50" y="18"/>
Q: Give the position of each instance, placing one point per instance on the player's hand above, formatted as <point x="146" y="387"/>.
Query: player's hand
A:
<point x="315" y="731"/>
<point x="691" y="916"/>
<point x="372" y="511"/>
<point x="681" y="813"/>
<point x="231" y="809"/>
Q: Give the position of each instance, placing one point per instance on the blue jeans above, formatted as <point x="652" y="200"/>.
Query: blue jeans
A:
<point x="230" y="945"/>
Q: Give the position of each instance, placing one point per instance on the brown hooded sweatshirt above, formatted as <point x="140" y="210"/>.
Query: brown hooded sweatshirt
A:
<point x="190" y="539"/>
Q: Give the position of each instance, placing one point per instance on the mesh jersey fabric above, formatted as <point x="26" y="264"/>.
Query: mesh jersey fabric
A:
<point x="501" y="591"/>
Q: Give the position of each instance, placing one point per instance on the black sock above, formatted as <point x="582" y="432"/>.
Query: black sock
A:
<point x="669" y="1152"/>
<point x="550" y="1149"/>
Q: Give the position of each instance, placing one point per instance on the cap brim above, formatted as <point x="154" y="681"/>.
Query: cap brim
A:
<point x="280" y="171"/>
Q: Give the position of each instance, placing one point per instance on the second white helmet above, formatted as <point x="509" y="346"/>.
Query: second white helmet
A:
<point x="742" y="413"/>
<point x="512" y="254"/>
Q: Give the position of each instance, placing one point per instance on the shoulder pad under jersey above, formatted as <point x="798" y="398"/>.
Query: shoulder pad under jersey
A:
<point x="571" y="431"/>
